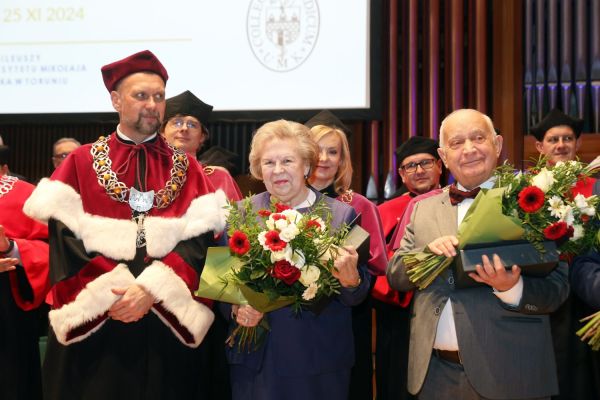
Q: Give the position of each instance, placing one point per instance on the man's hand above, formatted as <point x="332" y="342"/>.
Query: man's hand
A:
<point x="133" y="305"/>
<point x="495" y="275"/>
<point x="8" y="264"/>
<point x="4" y="243"/>
<point x="444" y="245"/>
<point x="345" y="267"/>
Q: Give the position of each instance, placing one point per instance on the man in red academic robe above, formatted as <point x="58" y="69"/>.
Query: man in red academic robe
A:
<point x="23" y="286"/>
<point x="558" y="137"/>
<point x="130" y="220"/>
<point x="420" y="168"/>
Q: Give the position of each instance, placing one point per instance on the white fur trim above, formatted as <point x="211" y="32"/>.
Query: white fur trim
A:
<point x="206" y="213"/>
<point x="93" y="301"/>
<point x="115" y="238"/>
<point x="167" y="287"/>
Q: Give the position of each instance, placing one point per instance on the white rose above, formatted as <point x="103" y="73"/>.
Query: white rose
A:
<point x="288" y="233"/>
<point x="262" y="240"/>
<point x="292" y="216"/>
<point x="309" y="274"/>
<point x="310" y="292"/>
<point x="543" y="180"/>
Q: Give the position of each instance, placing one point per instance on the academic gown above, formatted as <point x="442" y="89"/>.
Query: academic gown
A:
<point x="21" y="293"/>
<point x="93" y="249"/>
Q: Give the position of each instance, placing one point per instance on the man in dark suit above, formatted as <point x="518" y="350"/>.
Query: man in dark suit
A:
<point x="492" y="341"/>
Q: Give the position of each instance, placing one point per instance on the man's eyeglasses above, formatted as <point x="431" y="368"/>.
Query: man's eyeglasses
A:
<point x="60" y="156"/>
<point x="411" y="167"/>
<point x="179" y="123"/>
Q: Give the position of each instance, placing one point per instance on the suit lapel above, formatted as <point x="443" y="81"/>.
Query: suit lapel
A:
<point x="447" y="216"/>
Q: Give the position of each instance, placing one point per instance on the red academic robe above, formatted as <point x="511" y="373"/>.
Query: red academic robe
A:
<point x="220" y="178"/>
<point x="93" y="250"/>
<point x="21" y="292"/>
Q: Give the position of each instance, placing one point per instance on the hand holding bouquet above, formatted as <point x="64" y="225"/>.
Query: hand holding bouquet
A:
<point x="276" y="257"/>
<point x="537" y="205"/>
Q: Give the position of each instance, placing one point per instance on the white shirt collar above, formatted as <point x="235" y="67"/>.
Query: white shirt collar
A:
<point x="309" y="201"/>
<point x="125" y="137"/>
<point x="489" y="184"/>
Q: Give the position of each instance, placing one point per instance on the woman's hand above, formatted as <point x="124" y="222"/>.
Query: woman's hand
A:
<point x="246" y="315"/>
<point x="345" y="267"/>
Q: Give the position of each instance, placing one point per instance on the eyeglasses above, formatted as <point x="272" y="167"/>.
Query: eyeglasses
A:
<point x="61" y="156"/>
<point x="179" y="123"/>
<point x="411" y="167"/>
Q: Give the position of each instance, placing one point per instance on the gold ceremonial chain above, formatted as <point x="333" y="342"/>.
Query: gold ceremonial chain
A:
<point x="118" y="191"/>
<point x="347" y="196"/>
<point x="6" y="184"/>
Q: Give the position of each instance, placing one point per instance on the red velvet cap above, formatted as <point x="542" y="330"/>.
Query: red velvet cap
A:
<point x="144" y="61"/>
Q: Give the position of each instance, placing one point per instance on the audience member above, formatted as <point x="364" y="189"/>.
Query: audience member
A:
<point x="62" y="148"/>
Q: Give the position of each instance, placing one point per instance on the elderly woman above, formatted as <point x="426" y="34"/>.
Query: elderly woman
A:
<point x="304" y="356"/>
<point x="332" y="177"/>
<point x="183" y="127"/>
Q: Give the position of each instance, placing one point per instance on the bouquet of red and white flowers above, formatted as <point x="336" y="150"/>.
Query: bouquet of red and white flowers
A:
<point x="537" y="205"/>
<point x="276" y="257"/>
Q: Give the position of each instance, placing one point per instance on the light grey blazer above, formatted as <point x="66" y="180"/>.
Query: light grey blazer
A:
<point x="506" y="351"/>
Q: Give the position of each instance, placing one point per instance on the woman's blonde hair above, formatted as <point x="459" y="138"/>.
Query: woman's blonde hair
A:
<point x="282" y="130"/>
<point x="343" y="175"/>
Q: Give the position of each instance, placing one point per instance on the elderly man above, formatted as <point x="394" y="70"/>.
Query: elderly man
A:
<point x="420" y="168"/>
<point x="62" y="148"/>
<point x="23" y="286"/>
<point x="130" y="220"/>
<point x="184" y="128"/>
<point x="491" y="341"/>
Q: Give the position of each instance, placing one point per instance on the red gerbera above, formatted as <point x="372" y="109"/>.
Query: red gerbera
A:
<point x="238" y="243"/>
<point x="279" y="207"/>
<point x="274" y="242"/>
<point x="285" y="271"/>
<point x="313" y="223"/>
<point x="556" y="230"/>
<point x="277" y="217"/>
<point x="531" y="199"/>
<point x="264" y="213"/>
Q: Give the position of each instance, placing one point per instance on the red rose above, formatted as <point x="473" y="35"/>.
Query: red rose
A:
<point x="264" y="213"/>
<point x="531" y="199"/>
<point x="286" y="272"/>
<point x="556" y="230"/>
<point x="279" y="207"/>
<point x="585" y="218"/>
<point x="274" y="242"/>
<point x="238" y="243"/>
<point x="313" y="223"/>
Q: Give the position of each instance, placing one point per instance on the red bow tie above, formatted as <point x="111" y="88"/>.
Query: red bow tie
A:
<point x="457" y="195"/>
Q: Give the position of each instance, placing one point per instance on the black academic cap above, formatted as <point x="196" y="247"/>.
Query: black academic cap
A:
<point x="327" y="118"/>
<point x="187" y="104"/>
<point x="219" y="156"/>
<point x="416" y="145"/>
<point x="556" y="118"/>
